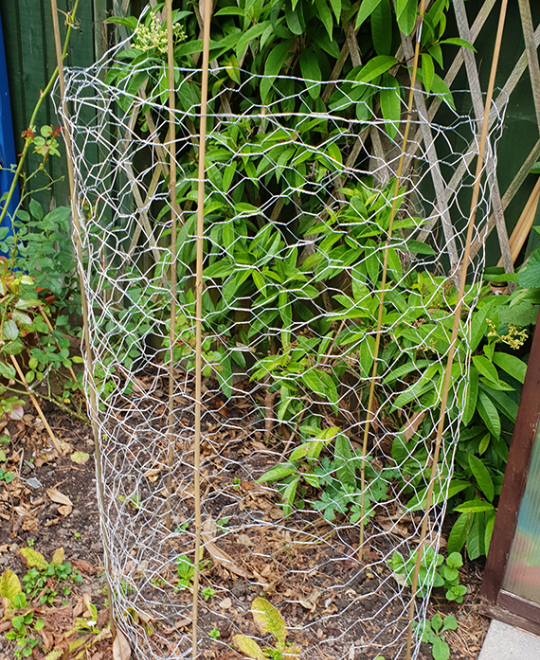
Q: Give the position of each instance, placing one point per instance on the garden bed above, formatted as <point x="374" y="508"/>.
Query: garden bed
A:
<point x="331" y="609"/>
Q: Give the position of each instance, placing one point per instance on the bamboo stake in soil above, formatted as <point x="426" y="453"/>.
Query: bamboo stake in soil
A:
<point x="36" y="405"/>
<point x="371" y="399"/>
<point x="198" y="314"/>
<point x="172" y="193"/>
<point x="84" y="303"/>
<point x="457" y="315"/>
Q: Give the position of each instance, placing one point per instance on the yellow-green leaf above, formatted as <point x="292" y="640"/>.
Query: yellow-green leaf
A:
<point x="58" y="557"/>
<point x="269" y="620"/>
<point x="249" y="647"/>
<point x="55" y="654"/>
<point x="80" y="457"/>
<point x="34" y="558"/>
<point x="9" y="585"/>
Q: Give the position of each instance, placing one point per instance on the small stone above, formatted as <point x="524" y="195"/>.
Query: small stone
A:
<point x="225" y="603"/>
<point x="33" y="483"/>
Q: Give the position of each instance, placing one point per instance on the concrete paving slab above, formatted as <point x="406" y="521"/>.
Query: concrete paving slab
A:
<point x="504" y="642"/>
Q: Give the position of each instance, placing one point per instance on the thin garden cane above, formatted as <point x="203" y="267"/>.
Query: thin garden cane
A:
<point x="84" y="301"/>
<point x="370" y="411"/>
<point x="172" y="193"/>
<point x="198" y="314"/>
<point x="36" y="405"/>
<point x="457" y="315"/>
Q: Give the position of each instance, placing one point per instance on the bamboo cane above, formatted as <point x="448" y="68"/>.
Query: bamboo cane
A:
<point x="84" y="302"/>
<point x="524" y="224"/>
<point x="371" y="399"/>
<point x="198" y="312"/>
<point x="36" y="405"/>
<point x="172" y="193"/>
<point x="457" y="315"/>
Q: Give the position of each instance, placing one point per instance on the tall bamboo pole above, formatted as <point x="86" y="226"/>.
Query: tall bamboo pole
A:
<point x="198" y="310"/>
<point x="173" y="276"/>
<point x="457" y="316"/>
<point x="77" y="238"/>
<point x="371" y="398"/>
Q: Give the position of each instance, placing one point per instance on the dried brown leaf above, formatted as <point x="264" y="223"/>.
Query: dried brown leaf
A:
<point x="220" y="556"/>
<point x="121" y="647"/>
<point x="412" y="424"/>
<point x="58" y="497"/>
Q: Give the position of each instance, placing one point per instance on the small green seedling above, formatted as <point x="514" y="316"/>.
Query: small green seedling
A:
<point x="430" y="632"/>
<point x="185" y="570"/>
<point x="214" y="633"/>
<point x="433" y="572"/>
<point x="208" y="593"/>
<point x="268" y="620"/>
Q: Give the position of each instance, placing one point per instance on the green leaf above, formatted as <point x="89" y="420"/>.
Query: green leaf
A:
<point x="390" y="103"/>
<point x="489" y="414"/>
<point x="439" y="495"/>
<point x="484" y="444"/>
<point x="9" y="585"/>
<point x="441" y="89"/>
<point x="486" y="368"/>
<point x="456" y="41"/>
<point x="249" y="647"/>
<point x="325" y="16"/>
<point x="375" y="68"/>
<point x="276" y="473"/>
<point x="366" y="9"/>
<point x="472" y="397"/>
<point x="436" y="623"/>
<point x="269" y="620"/>
<point x="511" y="364"/>
<point x="428" y="71"/>
<point x="34" y="558"/>
<point x="336" y="8"/>
<point x="490" y="524"/>
<point x="474" y="506"/>
<point x="449" y="623"/>
<point x="482" y="476"/>
<point x="273" y="65"/>
<point x="381" y="28"/>
<point x="458" y="533"/>
<point x="476" y="537"/>
<point x="343" y="455"/>
<point x="10" y="330"/>
<point x="7" y="370"/>
<point x="36" y="209"/>
<point x="440" y="649"/>
<point x="311" y="70"/>
<point x="406" y="15"/>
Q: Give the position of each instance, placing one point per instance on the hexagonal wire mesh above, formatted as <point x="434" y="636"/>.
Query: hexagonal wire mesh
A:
<point x="297" y="214"/>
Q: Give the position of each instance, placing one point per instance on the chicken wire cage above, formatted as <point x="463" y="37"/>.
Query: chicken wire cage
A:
<point x="297" y="213"/>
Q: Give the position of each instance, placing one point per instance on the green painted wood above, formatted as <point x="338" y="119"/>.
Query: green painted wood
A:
<point x="31" y="60"/>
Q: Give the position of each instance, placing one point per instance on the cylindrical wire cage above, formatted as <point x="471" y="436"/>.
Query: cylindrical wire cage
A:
<point x="297" y="214"/>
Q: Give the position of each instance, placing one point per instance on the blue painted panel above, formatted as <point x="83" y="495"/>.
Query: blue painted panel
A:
<point x="8" y="156"/>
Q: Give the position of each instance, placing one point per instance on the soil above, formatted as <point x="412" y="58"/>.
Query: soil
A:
<point x="333" y="609"/>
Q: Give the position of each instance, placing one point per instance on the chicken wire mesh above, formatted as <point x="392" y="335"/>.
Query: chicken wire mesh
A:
<point x="297" y="213"/>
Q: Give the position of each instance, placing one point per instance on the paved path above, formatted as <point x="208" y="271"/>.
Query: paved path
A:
<point x="504" y="642"/>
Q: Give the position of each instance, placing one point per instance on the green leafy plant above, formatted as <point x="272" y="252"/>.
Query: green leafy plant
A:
<point x="435" y="572"/>
<point x="208" y="592"/>
<point x="431" y="632"/>
<point x="268" y="620"/>
<point x="214" y="633"/>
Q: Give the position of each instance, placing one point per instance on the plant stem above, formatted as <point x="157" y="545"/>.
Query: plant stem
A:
<point x="79" y="416"/>
<point x="43" y="95"/>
